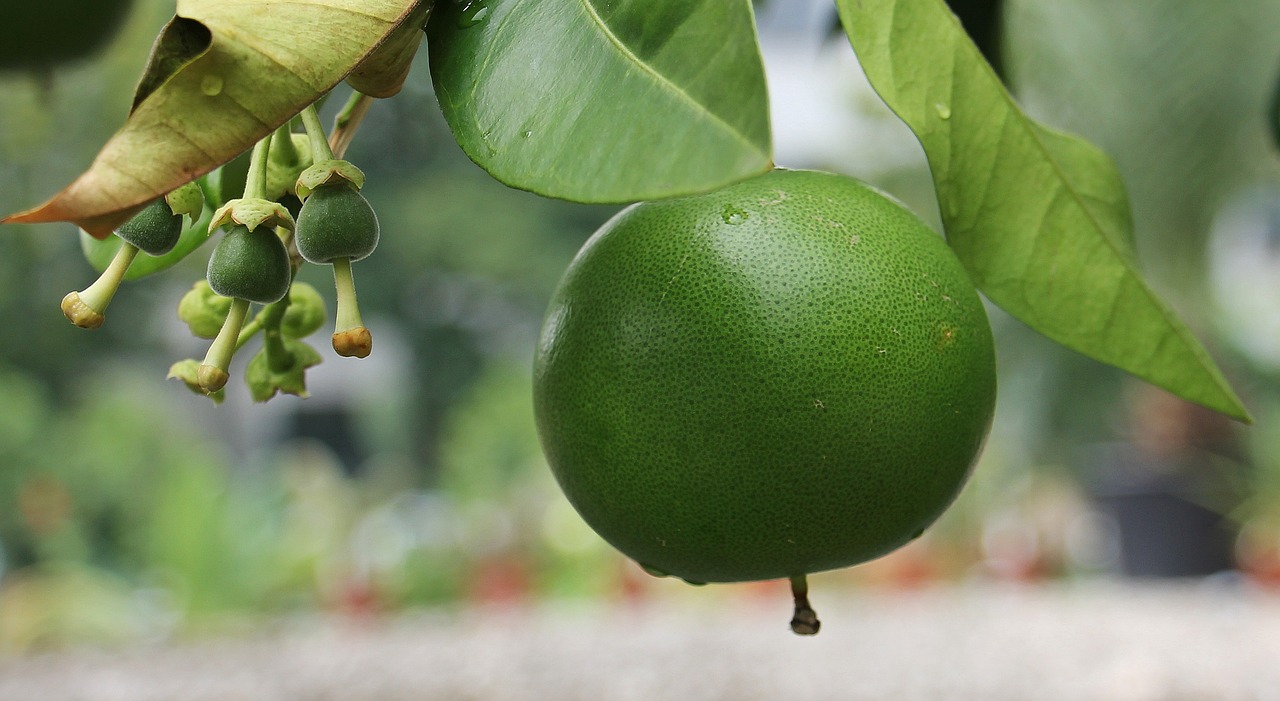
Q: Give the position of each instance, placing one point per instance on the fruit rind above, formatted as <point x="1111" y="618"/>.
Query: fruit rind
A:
<point x="790" y="375"/>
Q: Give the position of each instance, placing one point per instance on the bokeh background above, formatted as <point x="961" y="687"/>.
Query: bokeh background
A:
<point x="133" y="512"/>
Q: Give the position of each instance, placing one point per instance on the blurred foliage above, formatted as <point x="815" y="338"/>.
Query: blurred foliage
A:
<point x="37" y="36"/>
<point x="129" y="509"/>
<point x="1176" y="91"/>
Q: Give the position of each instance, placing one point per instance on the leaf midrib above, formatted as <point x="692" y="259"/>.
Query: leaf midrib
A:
<point x="634" y="59"/>
<point x="644" y="66"/>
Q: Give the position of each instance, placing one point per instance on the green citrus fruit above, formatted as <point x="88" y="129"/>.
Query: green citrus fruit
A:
<point x="788" y="375"/>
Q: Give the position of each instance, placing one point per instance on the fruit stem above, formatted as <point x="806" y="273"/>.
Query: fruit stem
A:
<point x="213" y="373"/>
<point x="348" y="121"/>
<point x="86" y="309"/>
<point x="282" y="139"/>
<point x="279" y="357"/>
<point x="350" y="337"/>
<point x="320" y="150"/>
<point x="804" y="621"/>
<point x="255" y="181"/>
<point x="249" y="330"/>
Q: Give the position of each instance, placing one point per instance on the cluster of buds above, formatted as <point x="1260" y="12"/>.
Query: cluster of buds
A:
<point x="255" y="262"/>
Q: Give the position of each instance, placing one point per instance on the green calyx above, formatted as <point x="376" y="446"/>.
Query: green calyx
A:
<point x="250" y="264"/>
<point x="330" y="171"/>
<point x="336" y="221"/>
<point x="252" y="213"/>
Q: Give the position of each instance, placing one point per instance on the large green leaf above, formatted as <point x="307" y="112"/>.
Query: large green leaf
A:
<point x="1039" y="218"/>
<point x="604" y="101"/>
<point x="222" y="75"/>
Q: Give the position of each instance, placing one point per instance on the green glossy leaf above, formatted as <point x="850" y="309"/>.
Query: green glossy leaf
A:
<point x="222" y="75"/>
<point x="604" y="101"/>
<point x="1039" y="218"/>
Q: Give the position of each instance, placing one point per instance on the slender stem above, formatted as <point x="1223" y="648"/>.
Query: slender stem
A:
<point x="249" y="330"/>
<point x="350" y="339"/>
<point x="98" y="295"/>
<point x="279" y="357"/>
<point x="320" y="150"/>
<point x="348" y="121"/>
<point x="283" y="141"/>
<point x="213" y="371"/>
<point x="804" y="621"/>
<point x="348" y="313"/>
<point x="255" y="182"/>
<point x="85" y="309"/>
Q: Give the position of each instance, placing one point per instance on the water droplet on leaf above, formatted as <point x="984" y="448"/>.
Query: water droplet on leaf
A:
<point x="473" y="13"/>
<point x="211" y="85"/>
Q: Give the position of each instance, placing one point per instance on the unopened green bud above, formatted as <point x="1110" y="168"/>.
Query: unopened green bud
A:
<point x="265" y="381"/>
<point x="285" y="162"/>
<point x="203" y="310"/>
<point x="306" y="312"/>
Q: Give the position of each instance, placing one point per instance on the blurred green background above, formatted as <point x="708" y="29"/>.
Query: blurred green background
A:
<point x="130" y="509"/>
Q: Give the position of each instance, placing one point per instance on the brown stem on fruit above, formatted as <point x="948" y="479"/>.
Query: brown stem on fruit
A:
<point x="804" y="621"/>
<point x="212" y="374"/>
<point x="348" y="121"/>
<point x="320" y="150"/>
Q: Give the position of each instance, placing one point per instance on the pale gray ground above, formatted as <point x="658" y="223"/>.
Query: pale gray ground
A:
<point x="1095" y="642"/>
